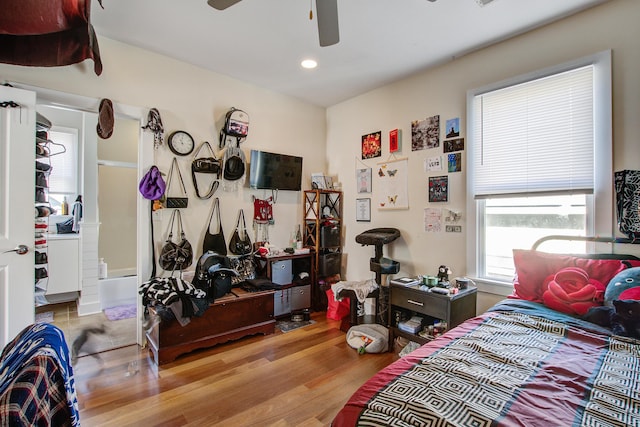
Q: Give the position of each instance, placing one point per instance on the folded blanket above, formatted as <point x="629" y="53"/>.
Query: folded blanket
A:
<point x="362" y="289"/>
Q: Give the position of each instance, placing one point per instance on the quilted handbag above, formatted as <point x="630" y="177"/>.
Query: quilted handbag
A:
<point x="172" y="201"/>
<point x="176" y="256"/>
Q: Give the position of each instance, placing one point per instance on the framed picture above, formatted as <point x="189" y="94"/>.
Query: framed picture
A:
<point x="394" y="137"/>
<point x="433" y="164"/>
<point x="453" y="128"/>
<point x="439" y="189"/>
<point x="317" y="181"/>
<point x="425" y="133"/>
<point x="372" y="145"/>
<point x="453" y="145"/>
<point x="328" y="182"/>
<point x="363" y="180"/>
<point x="454" y="162"/>
<point x="363" y="210"/>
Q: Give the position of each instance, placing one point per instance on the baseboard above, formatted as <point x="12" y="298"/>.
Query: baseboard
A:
<point x="92" y="308"/>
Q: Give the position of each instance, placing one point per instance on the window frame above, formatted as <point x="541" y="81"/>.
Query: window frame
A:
<point x="599" y="205"/>
<point x="75" y="161"/>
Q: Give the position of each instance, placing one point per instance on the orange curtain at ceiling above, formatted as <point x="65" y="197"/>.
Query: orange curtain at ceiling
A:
<point x="47" y="33"/>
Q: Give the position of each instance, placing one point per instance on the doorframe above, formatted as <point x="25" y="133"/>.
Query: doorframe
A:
<point x="146" y="154"/>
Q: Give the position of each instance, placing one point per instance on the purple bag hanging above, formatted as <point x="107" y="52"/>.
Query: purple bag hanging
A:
<point x="152" y="186"/>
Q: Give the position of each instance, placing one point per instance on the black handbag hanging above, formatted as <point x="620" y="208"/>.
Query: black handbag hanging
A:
<point x="176" y="202"/>
<point x="176" y="256"/>
<point x="207" y="165"/>
<point x="214" y="242"/>
<point x="240" y="243"/>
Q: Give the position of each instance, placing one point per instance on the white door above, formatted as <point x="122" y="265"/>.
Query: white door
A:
<point x="17" y="187"/>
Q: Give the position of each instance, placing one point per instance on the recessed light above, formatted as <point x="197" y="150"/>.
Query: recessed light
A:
<point x="309" y="63"/>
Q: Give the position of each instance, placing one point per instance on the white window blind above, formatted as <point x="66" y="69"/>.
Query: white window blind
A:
<point x="535" y="138"/>
<point x="64" y="165"/>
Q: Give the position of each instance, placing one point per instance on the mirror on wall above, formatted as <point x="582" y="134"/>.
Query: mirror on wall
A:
<point x="117" y="195"/>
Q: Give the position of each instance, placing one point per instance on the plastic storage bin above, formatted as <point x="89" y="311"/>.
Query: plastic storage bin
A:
<point x="281" y="272"/>
<point x="329" y="264"/>
<point x="330" y="236"/>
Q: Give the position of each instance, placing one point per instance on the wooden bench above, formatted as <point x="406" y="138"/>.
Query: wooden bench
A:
<point x="228" y="318"/>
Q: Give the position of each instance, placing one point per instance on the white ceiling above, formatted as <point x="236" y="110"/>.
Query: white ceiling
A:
<point x="263" y="41"/>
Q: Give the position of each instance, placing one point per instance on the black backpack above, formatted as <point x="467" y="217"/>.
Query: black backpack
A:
<point x="213" y="275"/>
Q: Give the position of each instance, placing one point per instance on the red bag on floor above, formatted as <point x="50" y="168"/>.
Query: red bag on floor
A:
<point x="337" y="310"/>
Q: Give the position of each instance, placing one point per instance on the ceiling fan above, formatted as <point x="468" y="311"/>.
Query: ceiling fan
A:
<point x="326" y="15"/>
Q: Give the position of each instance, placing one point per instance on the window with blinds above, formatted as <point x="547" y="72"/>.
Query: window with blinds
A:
<point x="539" y="157"/>
<point x="536" y="137"/>
<point x="63" y="180"/>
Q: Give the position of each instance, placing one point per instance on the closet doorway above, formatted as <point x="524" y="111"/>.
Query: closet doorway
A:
<point x="107" y="175"/>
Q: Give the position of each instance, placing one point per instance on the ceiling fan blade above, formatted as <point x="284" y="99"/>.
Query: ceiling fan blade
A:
<point x="327" y="15"/>
<point x="222" y="4"/>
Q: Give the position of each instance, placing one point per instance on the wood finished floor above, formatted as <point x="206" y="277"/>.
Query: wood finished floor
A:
<point x="299" y="378"/>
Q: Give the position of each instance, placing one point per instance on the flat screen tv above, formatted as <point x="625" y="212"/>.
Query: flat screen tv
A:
<point x="274" y="171"/>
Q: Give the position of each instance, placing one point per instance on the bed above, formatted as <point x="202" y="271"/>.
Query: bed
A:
<point x="520" y="363"/>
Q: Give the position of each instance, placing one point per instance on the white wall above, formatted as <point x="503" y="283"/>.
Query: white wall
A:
<point x="442" y="91"/>
<point x="193" y="99"/>
<point x="196" y="100"/>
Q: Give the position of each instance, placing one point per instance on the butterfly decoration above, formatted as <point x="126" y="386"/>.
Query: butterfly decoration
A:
<point x="380" y="172"/>
<point x="392" y="172"/>
<point x="382" y="204"/>
<point x="392" y="199"/>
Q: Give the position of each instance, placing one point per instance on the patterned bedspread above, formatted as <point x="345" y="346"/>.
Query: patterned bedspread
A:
<point x="519" y="364"/>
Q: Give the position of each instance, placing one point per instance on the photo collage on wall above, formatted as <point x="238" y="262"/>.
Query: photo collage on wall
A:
<point x="392" y="180"/>
<point x="425" y="135"/>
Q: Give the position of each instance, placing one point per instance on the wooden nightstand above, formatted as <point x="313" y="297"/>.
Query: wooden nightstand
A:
<point x="431" y="306"/>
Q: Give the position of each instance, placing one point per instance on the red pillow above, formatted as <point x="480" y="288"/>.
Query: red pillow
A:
<point x="533" y="267"/>
<point x="572" y="291"/>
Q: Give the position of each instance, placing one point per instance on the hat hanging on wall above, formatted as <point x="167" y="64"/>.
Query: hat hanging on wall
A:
<point x="105" y="119"/>
<point x="234" y="167"/>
